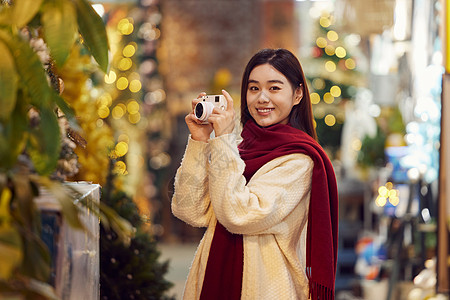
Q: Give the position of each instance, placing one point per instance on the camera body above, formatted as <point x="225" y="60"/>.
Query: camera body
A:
<point x="204" y="108"/>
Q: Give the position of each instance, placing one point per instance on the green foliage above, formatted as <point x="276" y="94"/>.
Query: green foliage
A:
<point x="130" y="272"/>
<point x="26" y="89"/>
<point x="372" y="150"/>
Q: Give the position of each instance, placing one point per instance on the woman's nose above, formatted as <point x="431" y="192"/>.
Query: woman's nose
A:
<point x="263" y="97"/>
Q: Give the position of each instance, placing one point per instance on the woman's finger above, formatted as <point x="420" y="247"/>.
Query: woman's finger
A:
<point x="229" y="100"/>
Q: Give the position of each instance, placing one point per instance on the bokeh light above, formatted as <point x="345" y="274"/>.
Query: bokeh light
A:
<point x="315" y="98"/>
<point x="330" y="120"/>
<point x="110" y="77"/>
<point x="129" y="50"/>
<point x="321" y="42"/>
<point x="340" y="52"/>
<point x="135" y="85"/>
<point x="328" y="98"/>
<point x="330" y="66"/>
<point x="335" y="91"/>
<point x="122" y="83"/>
<point x="350" y="64"/>
<point x="121" y="149"/>
<point x="330" y="50"/>
<point x="332" y="35"/>
<point x="125" y="64"/>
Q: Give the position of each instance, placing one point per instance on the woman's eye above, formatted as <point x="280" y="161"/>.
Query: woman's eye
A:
<point x="253" y="88"/>
<point x="275" y="88"/>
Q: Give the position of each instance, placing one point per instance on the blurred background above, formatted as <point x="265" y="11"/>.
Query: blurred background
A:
<point x="374" y="71"/>
<point x="378" y="76"/>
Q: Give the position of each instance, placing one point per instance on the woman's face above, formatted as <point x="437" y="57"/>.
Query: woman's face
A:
<point x="270" y="96"/>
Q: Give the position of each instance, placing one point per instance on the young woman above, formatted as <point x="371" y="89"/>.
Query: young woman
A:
<point x="269" y="203"/>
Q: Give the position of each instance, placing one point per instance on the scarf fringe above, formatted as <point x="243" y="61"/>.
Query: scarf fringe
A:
<point x="320" y="292"/>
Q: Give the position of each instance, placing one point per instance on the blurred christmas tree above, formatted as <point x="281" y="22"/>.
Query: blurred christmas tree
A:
<point x="333" y="77"/>
<point x="130" y="271"/>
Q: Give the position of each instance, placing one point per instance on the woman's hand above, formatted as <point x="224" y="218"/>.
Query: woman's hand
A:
<point x="223" y="121"/>
<point x="199" y="132"/>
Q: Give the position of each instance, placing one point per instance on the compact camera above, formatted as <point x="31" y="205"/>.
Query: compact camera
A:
<point x="204" y="108"/>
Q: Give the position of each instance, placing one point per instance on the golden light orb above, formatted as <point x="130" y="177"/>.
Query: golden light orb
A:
<point x="103" y="111"/>
<point x="129" y="50"/>
<point x="122" y="83"/>
<point x="133" y="107"/>
<point x="134" y="118"/>
<point x="318" y="83"/>
<point x="350" y="64"/>
<point x="335" y="91"/>
<point x="330" y="66"/>
<point x="332" y="35"/>
<point x="329" y="50"/>
<point x="117" y="112"/>
<point x="340" y="52"/>
<point x="121" y="149"/>
<point x="328" y="98"/>
<point x="321" y="42"/>
<point x="330" y="120"/>
<point x="324" y="22"/>
<point x="135" y="85"/>
<point x="110" y="77"/>
<point x="315" y="98"/>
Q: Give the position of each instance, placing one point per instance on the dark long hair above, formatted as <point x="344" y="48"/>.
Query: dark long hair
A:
<point x="301" y="116"/>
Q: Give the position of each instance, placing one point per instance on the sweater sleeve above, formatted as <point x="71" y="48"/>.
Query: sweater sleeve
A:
<point x="191" y="201"/>
<point x="273" y="192"/>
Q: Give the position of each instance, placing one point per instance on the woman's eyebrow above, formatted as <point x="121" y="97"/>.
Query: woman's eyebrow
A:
<point x="270" y="81"/>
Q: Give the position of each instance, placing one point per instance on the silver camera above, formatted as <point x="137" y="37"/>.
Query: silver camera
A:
<point x="204" y="108"/>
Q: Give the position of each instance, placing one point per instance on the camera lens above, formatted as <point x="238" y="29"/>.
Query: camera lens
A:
<point x="199" y="110"/>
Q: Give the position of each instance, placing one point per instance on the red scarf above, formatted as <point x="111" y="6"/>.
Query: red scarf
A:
<point x="259" y="146"/>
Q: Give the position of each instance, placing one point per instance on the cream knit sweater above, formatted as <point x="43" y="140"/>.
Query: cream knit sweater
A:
<point x="270" y="211"/>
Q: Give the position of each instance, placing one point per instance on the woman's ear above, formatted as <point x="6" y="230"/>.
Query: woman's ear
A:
<point x="298" y="94"/>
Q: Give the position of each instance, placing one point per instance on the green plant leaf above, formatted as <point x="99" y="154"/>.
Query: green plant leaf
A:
<point x="23" y="11"/>
<point x="8" y="82"/>
<point x="11" y="250"/>
<point x="45" y="142"/>
<point x="69" y="113"/>
<point x="13" y="135"/>
<point x="93" y="31"/>
<point x="60" y="28"/>
<point x="30" y="69"/>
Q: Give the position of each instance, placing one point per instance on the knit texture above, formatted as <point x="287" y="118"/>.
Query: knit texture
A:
<point x="270" y="211"/>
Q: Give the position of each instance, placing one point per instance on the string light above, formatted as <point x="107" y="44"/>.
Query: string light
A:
<point x="117" y="112"/>
<point x="330" y="66"/>
<point x="318" y="83"/>
<point x="350" y="64"/>
<point x="121" y="149"/>
<point x="324" y="22"/>
<point x="129" y="50"/>
<point x="321" y="42"/>
<point x="135" y="85"/>
<point x="315" y="98"/>
<point x="335" y="91"/>
<point x="110" y="77"/>
<point x="340" y="52"/>
<point x="387" y="193"/>
<point x="103" y="111"/>
<point x="122" y="83"/>
<point x="332" y="35"/>
<point x="330" y="50"/>
<point x="330" y="120"/>
<point x="328" y="98"/>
